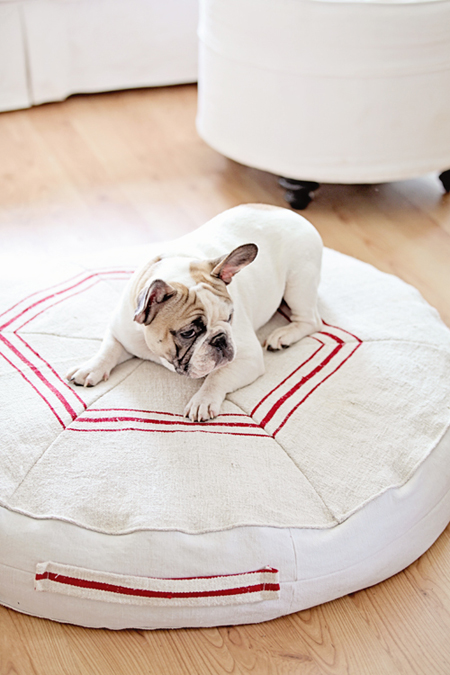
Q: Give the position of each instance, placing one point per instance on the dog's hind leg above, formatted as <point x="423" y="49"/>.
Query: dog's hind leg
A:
<point x="301" y="296"/>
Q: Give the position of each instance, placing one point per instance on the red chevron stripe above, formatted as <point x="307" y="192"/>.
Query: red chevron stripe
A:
<point x="39" y="374"/>
<point x="63" y="299"/>
<point x="32" y="295"/>
<point x="38" y="392"/>
<point x="65" y="384"/>
<point x="303" y="380"/>
<point x="69" y="291"/>
<point x="288" y="377"/>
<point x="62" y="292"/>
<point x="53" y="295"/>
<point x="316" y="387"/>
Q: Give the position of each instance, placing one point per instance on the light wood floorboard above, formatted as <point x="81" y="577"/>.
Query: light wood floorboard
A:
<point x="128" y="168"/>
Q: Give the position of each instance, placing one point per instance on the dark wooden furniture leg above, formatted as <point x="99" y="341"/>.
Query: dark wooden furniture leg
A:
<point x="298" y="193"/>
<point x="444" y="177"/>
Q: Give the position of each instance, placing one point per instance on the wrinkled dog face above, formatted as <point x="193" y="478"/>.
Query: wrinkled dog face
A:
<point x="189" y="327"/>
<point x="191" y="333"/>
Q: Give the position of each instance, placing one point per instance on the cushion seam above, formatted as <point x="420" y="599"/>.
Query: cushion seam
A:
<point x="44" y="452"/>
<point x="316" y="492"/>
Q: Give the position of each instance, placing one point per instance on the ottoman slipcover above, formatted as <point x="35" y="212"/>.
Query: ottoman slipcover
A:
<point x="332" y="91"/>
<point x="328" y="474"/>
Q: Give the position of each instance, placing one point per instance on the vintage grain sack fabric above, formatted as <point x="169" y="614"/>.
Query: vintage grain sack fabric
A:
<point x="328" y="474"/>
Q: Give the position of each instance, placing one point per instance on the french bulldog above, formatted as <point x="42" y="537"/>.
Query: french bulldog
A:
<point x="195" y="307"/>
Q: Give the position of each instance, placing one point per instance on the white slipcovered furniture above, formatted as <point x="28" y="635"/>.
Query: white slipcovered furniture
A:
<point x="328" y="474"/>
<point x="50" y="49"/>
<point x="335" y="91"/>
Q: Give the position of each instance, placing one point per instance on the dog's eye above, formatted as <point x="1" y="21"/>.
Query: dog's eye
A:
<point x="188" y="334"/>
<point x="230" y="317"/>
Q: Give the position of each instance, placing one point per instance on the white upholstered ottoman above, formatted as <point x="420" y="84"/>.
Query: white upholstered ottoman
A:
<point x="328" y="474"/>
<point x="328" y="91"/>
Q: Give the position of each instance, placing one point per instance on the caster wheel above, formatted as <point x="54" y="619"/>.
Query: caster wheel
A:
<point x="444" y="177"/>
<point x="299" y="193"/>
<point x="298" y="199"/>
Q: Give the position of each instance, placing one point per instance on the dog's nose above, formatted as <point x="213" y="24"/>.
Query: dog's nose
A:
<point x="219" y="341"/>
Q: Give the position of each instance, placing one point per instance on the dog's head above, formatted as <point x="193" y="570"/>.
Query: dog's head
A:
<point x="187" y="316"/>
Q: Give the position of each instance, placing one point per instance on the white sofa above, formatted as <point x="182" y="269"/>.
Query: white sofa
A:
<point x="50" y="49"/>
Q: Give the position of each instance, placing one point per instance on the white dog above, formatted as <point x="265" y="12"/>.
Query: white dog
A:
<point x="182" y="311"/>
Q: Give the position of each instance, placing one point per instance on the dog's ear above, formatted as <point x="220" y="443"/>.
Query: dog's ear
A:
<point x="151" y="299"/>
<point x="226" y="267"/>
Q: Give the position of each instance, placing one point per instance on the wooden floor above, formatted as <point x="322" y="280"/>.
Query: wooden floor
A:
<point x="124" y="168"/>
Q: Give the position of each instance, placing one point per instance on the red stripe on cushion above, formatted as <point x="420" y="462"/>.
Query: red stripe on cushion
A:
<point x="343" y="330"/>
<point x="62" y="292"/>
<point x="147" y="420"/>
<point x="156" y="412"/>
<point x="59" y="378"/>
<point x="314" y="389"/>
<point x="287" y="378"/>
<point x="52" y="295"/>
<point x="300" y="384"/>
<point x="58" y="302"/>
<point x="28" y="297"/>
<point x="40" y="375"/>
<point x="203" y="430"/>
<point x="136" y="592"/>
<point x="35" y="389"/>
<point x="90" y="584"/>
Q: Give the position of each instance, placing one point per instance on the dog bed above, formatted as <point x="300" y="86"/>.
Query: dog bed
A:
<point x="328" y="474"/>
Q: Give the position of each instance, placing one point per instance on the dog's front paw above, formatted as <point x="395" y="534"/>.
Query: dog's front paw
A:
<point x="203" y="407"/>
<point x="89" y="374"/>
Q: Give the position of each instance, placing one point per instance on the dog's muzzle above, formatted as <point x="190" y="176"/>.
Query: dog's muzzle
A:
<point x="216" y="353"/>
<point x="225" y="350"/>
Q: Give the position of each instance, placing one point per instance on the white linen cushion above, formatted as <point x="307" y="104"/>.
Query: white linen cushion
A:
<point x="326" y="475"/>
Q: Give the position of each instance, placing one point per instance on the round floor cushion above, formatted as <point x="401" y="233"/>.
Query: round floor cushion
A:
<point x="328" y="474"/>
